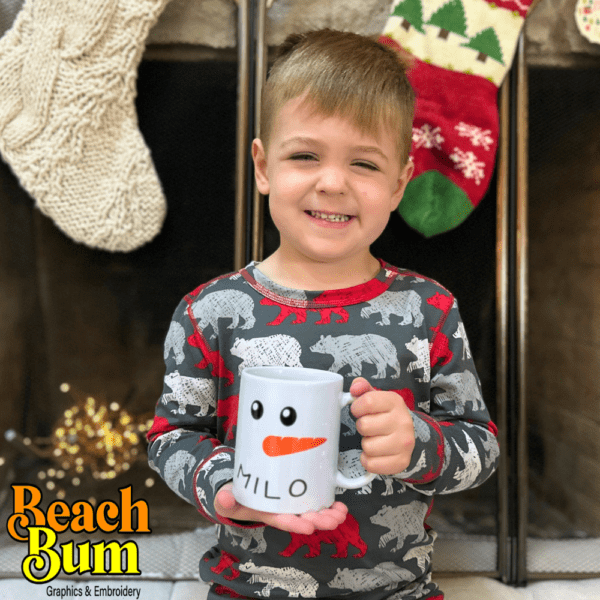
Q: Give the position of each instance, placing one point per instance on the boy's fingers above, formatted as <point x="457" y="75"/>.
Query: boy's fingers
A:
<point x="375" y="424"/>
<point x="369" y="404"/>
<point x="291" y="523"/>
<point x="320" y="520"/>
<point x="384" y="465"/>
<point x="378" y="402"/>
<point x="380" y="446"/>
<point x="360" y="386"/>
<point x="340" y="507"/>
<point x="225" y="498"/>
<point x="328" y="518"/>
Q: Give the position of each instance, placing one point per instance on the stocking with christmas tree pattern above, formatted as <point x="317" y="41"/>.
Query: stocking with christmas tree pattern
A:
<point x="461" y="51"/>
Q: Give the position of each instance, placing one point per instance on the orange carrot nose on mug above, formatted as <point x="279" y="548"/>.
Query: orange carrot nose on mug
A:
<point x="287" y="440"/>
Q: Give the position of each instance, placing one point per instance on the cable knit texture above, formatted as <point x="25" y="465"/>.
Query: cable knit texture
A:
<point x="68" y="125"/>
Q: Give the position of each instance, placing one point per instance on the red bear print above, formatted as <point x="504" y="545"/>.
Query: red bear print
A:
<point x="221" y="590"/>
<point x="284" y="312"/>
<point x="327" y="312"/>
<point x="160" y="425"/>
<point x="211" y="357"/>
<point x="407" y="396"/>
<point x="300" y="313"/>
<point x="347" y="533"/>
<point x="444" y="303"/>
<point x="440" y="352"/>
<point x="226" y="562"/>
<point x="228" y="408"/>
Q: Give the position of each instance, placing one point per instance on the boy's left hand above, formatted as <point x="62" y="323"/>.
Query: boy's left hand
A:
<point x="385" y="422"/>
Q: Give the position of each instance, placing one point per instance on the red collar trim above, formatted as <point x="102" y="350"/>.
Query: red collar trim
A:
<point x="329" y="298"/>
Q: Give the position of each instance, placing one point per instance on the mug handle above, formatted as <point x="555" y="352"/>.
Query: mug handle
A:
<point x="352" y="483"/>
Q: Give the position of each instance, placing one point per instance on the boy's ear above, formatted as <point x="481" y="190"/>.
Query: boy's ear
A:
<point x="260" y="166"/>
<point x="405" y="177"/>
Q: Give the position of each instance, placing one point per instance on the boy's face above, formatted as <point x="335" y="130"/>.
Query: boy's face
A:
<point x="331" y="188"/>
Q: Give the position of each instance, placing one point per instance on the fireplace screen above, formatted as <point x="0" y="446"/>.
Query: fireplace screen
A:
<point x="563" y="397"/>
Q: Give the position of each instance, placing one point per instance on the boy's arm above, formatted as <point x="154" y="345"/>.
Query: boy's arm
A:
<point x="455" y="444"/>
<point x="451" y="447"/>
<point x="185" y="447"/>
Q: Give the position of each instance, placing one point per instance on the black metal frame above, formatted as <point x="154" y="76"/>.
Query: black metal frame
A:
<point x="516" y="322"/>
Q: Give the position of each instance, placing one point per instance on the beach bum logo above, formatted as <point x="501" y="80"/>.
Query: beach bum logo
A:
<point x="44" y="562"/>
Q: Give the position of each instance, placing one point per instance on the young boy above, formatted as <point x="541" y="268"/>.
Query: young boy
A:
<point x="333" y="159"/>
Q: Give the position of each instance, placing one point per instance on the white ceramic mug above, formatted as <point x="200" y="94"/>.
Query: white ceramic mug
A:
<point x="287" y="441"/>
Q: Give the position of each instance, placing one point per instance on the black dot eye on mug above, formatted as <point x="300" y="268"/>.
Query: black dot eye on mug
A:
<point x="257" y="409"/>
<point x="288" y="416"/>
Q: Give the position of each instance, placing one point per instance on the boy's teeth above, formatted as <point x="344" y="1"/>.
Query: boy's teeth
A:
<point x="328" y="217"/>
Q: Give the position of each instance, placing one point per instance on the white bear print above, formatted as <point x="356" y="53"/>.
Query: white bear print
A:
<point x="492" y="451"/>
<point x="176" y="469"/>
<point x="278" y="350"/>
<point x="175" y="342"/>
<point x="402" y="521"/>
<point x="246" y="537"/>
<point x="420" y="466"/>
<point x="461" y="333"/>
<point x="353" y="350"/>
<point x="406" y="305"/>
<point x="295" y="582"/>
<point x="421" y="553"/>
<point x="190" y="391"/>
<point x="386" y="574"/>
<point x="460" y="389"/>
<point x="226" y="304"/>
<point x="468" y="475"/>
<point x="420" y="348"/>
<point x="219" y="473"/>
<point x="422" y="431"/>
<point x="171" y="437"/>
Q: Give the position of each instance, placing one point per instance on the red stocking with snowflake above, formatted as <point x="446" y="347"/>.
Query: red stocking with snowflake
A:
<point x="461" y="51"/>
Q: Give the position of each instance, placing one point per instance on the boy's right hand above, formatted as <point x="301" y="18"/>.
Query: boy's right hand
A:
<point x="329" y="518"/>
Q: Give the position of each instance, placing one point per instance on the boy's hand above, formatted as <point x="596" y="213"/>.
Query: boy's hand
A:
<point x="329" y="518"/>
<point x="384" y="421"/>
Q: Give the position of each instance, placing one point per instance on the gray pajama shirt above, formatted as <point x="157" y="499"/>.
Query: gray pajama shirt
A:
<point x="402" y="332"/>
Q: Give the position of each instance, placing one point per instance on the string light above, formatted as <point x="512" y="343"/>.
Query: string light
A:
<point x="92" y="439"/>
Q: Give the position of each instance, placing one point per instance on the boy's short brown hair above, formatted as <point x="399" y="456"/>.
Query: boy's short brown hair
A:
<point x="343" y="74"/>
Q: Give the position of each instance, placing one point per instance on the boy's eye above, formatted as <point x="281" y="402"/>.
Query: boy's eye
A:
<point x="303" y="156"/>
<point x="366" y="165"/>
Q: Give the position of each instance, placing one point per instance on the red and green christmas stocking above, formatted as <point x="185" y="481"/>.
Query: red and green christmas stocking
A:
<point x="461" y="51"/>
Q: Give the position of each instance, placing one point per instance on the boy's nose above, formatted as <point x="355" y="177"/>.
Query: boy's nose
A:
<point x="332" y="180"/>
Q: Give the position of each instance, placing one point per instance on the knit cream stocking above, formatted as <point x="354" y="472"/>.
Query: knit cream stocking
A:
<point x="68" y="125"/>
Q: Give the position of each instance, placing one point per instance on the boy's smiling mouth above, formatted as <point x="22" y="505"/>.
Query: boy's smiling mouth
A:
<point x="331" y="217"/>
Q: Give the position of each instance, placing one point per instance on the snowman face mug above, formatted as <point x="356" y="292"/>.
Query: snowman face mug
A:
<point x="287" y="441"/>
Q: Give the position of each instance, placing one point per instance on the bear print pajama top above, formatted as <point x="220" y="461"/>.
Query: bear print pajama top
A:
<point x="400" y="331"/>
